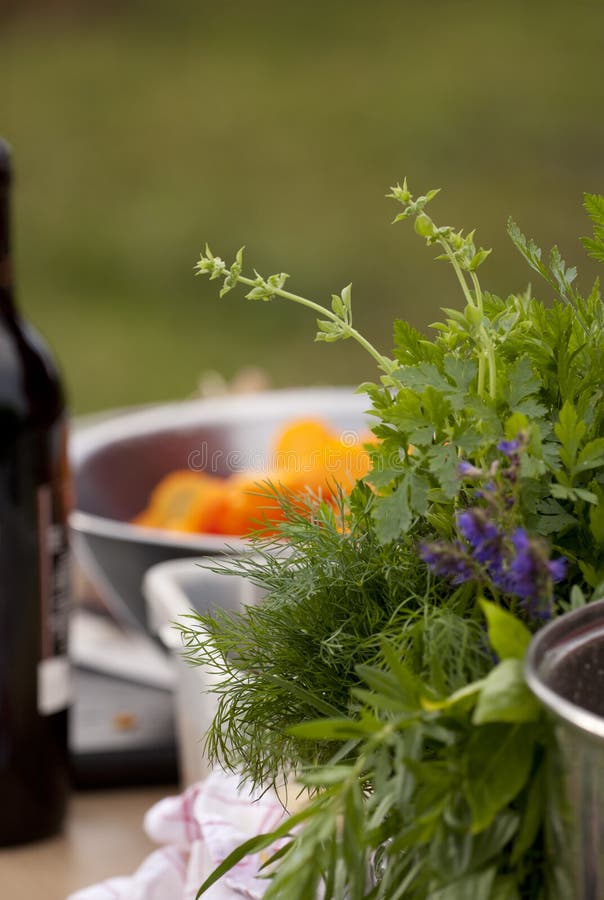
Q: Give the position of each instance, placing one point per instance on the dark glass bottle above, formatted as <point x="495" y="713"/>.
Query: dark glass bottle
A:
<point x="34" y="673"/>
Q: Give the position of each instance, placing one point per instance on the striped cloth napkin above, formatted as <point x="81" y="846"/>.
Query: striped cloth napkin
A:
<point x="196" y="831"/>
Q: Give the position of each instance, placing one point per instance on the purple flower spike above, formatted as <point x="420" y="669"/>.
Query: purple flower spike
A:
<point x="521" y="540"/>
<point x="448" y="560"/>
<point x="467" y="470"/>
<point x="527" y="569"/>
<point x="481" y="533"/>
<point x="509" y="447"/>
<point x="557" y="569"/>
<point x="532" y="574"/>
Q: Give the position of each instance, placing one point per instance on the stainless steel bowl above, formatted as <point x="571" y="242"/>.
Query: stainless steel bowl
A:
<point x="565" y="670"/>
<point x="117" y="462"/>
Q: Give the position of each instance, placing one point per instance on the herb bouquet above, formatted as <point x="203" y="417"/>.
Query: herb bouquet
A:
<point x="384" y="668"/>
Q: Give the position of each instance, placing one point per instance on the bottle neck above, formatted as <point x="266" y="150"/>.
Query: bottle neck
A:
<point x="7" y="303"/>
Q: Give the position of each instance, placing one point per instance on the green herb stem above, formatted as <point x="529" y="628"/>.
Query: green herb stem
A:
<point x="385" y="364"/>
<point x="464" y="284"/>
<point x="481" y="373"/>
<point x="492" y="371"/>
<point x="477" y="291"/>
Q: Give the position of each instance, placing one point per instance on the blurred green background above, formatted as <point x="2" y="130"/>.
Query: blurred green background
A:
<point x="143" y="129"/>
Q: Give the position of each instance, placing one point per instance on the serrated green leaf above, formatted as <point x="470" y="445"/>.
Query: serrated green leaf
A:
<point x="586" y="495"/>
<point x="516" y="423"/>
<point x="392" y="514"/>
<point x="570" y="431"/>
<point x="553" y="517"/>
<point x="591" y="456"/>
<point x="532" y="491"/>
<point x="410" y="346"/>
<point x="522" y="382"/>
<point x="418" y="493"/>
<point x="422" y="376"/>
<point x="563" y="492"/>
<point x="381" y="477"/>
<point x="444" y="466"/>
<point x="563" y="276"/>
<point x="594" y="206"/>
<point x="460" y="371"/>
<point x="529" y="250"/>
<point x="594" y="247"/>
<point x="436" y="407"/>
<point x="531" y="408"/>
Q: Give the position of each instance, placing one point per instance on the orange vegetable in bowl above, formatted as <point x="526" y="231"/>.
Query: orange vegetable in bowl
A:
<point x="307" y="457"/>
<point x="344" y="463"/>
<point x="183" y="501"/>
<point x="301" y="441"/>
<point x="314" y="452"/>
<point x="246" y="504"/>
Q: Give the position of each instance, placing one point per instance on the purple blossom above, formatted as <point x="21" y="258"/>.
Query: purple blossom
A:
<point x="482" y="534"/>
<point x="450" y="560"/>
<point x="532" y="574"/>
<point x="514" y="563"/>
<point x="529" y="566"/>
<point x="557" y="569"/>
<point x="487" y="490"/>
<point x="467" y="470"/>
<point x="491" y="548"/>
<point x="512" y="449"/>
<point x="509" y="448"/>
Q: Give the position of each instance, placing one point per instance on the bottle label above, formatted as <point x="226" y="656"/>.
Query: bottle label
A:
<point x="54" y="681"/>
<point x="54" y="685"/>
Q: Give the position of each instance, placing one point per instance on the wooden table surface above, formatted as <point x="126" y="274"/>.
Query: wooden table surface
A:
<point x="103" y="837"/>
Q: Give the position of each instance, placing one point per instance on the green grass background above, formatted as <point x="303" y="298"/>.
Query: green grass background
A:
<point x="143" y="129"/>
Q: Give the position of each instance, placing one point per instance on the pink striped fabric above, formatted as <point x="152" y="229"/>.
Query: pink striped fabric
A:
<point x="196" y="831"/>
